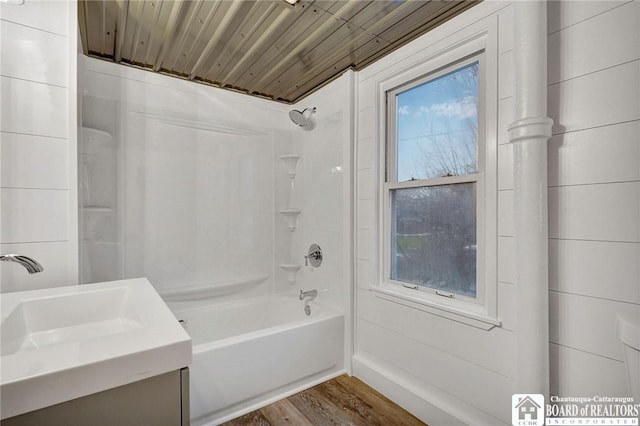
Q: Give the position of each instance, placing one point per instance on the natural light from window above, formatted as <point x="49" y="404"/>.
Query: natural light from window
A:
<point x="433" y="184"/>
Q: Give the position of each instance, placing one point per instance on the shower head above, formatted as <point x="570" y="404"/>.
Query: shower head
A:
<point x="302" y="118"/>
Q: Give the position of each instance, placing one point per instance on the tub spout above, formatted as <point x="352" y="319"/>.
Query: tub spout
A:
<point x="31" y="265"/>
<point x="312" y="294"/>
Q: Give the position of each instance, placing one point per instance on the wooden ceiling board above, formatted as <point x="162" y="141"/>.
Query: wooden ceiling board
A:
<point x="342" y="64"/>
<point x="427" y="17"/>
<point x="226" y="34"/>
<point x="340" y="44"/>
<point x="364" y="52"/>
<point x="109" y="18"/>
<point x="299" y="55"/>
<point x="331" y="6"/>
<point x="191" y="38"/>
<point x="303" y="20"/>
<point x="144" y="21"/>
<point x="98" y="26"/>
<point x="267" y="48"/>
<point x="384" y="18"/>
<point x="183" y="36"/>
<point x="121" y="23"/>
<point x="375" y="11"/>
<point x="261" y="13"/>
<point x="369" y="50"/>
<point x="157" y="32"/>
<point x="207" y="30"/>
<point x="167" y="39"/>
<point x="338" y="11"/>
<point x="134" y="11"/>
<point x="259" y="41"/>
<point x="361" y="46"/>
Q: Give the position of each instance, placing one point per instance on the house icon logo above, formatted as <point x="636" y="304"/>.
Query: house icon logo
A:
<point x="527" y="410"/>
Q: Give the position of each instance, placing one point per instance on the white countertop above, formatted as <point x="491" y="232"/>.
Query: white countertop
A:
<point x="63" y="343"/>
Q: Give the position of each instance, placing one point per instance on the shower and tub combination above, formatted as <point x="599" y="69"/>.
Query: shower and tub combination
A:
<point x="253" y="351"/>
<point x="218" y="211"/>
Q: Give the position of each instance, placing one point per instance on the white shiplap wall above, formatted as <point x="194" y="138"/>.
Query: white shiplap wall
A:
<point x="38" y="142"/>
<point x="443" y="371"/>
<point x="594" y="191"/>
<point x="423" y="361"/>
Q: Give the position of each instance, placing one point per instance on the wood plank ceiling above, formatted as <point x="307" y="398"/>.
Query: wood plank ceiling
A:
<point x="265" y="48"/>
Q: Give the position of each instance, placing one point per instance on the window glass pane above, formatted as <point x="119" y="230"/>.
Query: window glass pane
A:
<point x="437" y="126"/>
<point x="434" y="237"/>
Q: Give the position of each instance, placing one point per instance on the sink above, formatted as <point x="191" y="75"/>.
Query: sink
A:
<point x="63" y="343"/>
<point x="42" y="321"/>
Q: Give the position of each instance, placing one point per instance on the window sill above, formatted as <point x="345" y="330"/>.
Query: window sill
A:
<point x="476" y="320"/>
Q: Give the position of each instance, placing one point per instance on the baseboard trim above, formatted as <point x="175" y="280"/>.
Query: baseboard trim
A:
<point x="426" y="402"/>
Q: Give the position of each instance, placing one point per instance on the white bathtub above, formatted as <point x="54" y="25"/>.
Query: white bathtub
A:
<point x="247" y="354"/>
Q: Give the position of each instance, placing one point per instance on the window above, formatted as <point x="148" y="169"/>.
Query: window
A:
<point x="433" y="173"/>
<point x="434" y="188"/>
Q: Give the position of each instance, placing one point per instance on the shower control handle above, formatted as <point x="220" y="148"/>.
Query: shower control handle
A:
<point x="314" y="257"/>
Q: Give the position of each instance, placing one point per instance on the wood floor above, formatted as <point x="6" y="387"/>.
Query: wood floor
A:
<point x="342" y="401"/>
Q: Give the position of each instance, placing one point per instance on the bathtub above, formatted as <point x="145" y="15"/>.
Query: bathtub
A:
<point x="249" y="353"/>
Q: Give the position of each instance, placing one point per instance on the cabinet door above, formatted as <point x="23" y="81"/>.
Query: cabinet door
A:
<point x="156" y="401"/>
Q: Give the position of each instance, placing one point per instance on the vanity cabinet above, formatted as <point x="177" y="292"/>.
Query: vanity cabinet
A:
<point x="161" y="400"/>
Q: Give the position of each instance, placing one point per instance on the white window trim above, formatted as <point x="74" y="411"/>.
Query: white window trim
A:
<point x="475" y="178"/>
<point x="482" y="311"/>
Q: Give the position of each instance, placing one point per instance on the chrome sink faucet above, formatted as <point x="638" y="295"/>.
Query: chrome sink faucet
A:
<point x="32" y="266"/>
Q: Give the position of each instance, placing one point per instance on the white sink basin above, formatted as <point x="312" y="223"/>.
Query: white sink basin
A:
<point x="62" y="343"/>
<point x="42" y="321"/>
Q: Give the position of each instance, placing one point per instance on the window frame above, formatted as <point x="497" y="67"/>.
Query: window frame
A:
<point x="480" y="311"/>
<point x="391" y="183"/>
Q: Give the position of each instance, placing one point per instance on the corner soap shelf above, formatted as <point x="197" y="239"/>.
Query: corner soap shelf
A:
<point x="96" y="215"/>
<point x="92" y="135"/>
<point x="291" y="269"/>
<point x="290" y="161"/>
<point x="292" y="216"/>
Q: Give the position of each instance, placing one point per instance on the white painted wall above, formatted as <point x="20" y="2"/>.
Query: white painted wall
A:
<point x="594" y="191"/>
<point x="38" y="142"/>
<point x="443" y="371"/>
<point x="438" y="368"/>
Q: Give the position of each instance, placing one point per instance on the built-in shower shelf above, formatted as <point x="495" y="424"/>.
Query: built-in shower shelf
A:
<point x="91" y="135"/>
<point x="291" y="269"/>
<point x="290" y="160"/>
<point x="292" y="216"/>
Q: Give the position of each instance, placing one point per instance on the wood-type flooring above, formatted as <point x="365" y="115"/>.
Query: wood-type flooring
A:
<point x="341" y="401"/>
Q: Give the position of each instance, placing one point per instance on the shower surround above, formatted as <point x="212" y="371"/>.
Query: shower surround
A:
<point x="198" y="183"/>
